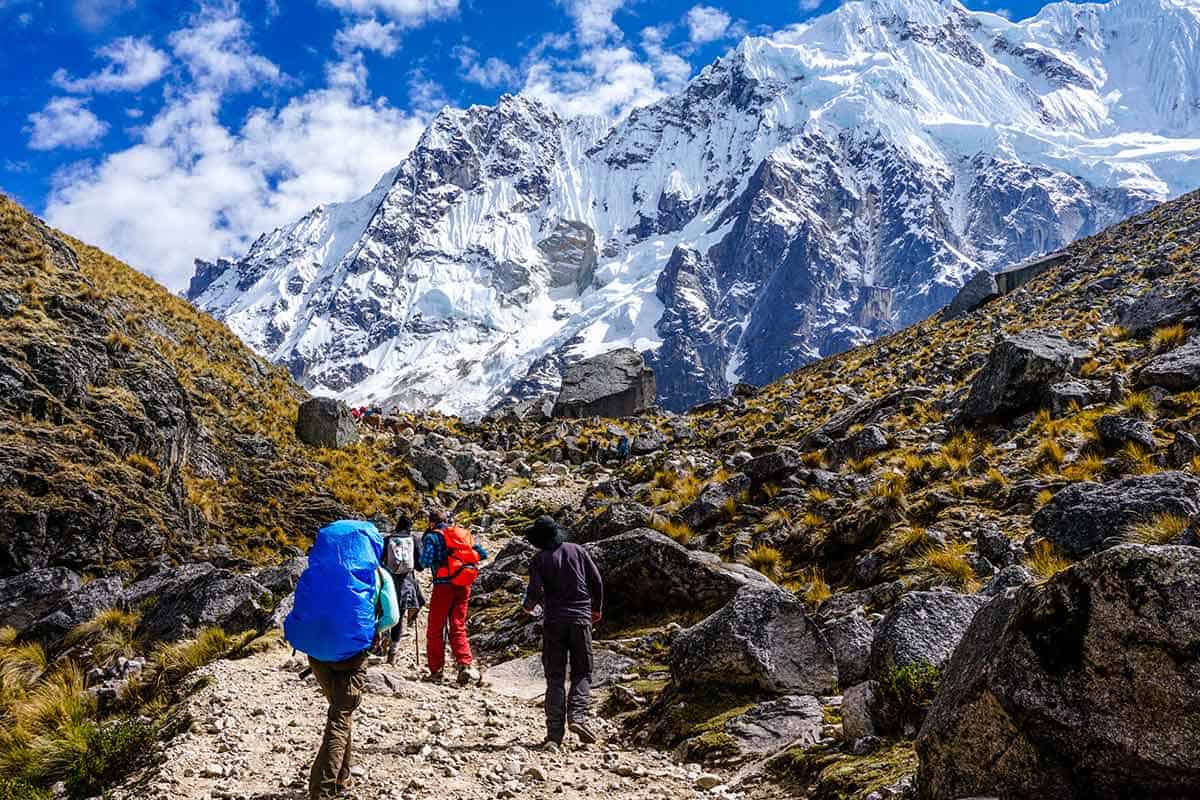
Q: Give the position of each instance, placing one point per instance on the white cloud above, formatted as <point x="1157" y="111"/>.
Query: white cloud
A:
<point x="608" y="81"/>
<point x="491" y="73"/>
<point x="809" y="5"/>
<point x="133" y="64"/>
<point x="193" y="186"/>
<point x="594" y="19"/>
<point x="368" y="34"/>
<point x="707" y="24"/>
<point x="64" y="122"/>
<point x="409" y="13"/>
<point x="425" y="95"/>
<point x="217" y="51"/>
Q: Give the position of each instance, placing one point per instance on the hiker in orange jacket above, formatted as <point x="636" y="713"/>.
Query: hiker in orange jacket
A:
<point x="451" y="554"/>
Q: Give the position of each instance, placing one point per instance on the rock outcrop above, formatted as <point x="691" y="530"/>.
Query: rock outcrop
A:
<point x="762" y="639"/>
<point x="1086" y="517"/>
<point x="1177" y="370"/>
<point x="1081" y="688"/>
<point x="325" y="422"/>
<point x="1018" y="373"/>
<point x="922" y="628"/>
<point x="614" y="384"/>
<point x="646" y="572"/>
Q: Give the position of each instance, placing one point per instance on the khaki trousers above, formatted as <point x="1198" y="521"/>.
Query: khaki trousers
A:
<point x="342" y="684"/>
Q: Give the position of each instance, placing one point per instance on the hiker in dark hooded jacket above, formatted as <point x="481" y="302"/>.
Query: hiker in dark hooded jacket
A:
<point x="564" y="580"/>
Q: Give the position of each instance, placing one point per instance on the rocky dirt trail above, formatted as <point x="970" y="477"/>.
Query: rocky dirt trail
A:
<point x="257" y="725"/>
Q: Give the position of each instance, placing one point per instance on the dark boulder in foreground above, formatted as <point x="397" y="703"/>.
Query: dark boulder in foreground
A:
<point x="613" y="384"/>
<point x="1086" y="517"/>
<point x="1087" y="686"/>
<point x="325" y="422"/>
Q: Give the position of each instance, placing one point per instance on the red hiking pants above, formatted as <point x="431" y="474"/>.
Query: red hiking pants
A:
<point x="448" y="603"/>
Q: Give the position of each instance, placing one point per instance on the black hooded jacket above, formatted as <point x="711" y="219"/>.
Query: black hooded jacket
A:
<point x="563" y="579"/>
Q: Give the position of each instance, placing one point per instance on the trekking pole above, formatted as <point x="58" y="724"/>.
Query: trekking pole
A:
<point x="417" y="636"/>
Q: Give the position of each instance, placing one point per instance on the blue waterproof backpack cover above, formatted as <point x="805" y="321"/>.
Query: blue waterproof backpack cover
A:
<point x="334" y="614"/>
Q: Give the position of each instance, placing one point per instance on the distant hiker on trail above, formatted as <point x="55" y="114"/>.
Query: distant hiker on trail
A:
<point x="400" y="559"/>
<point x="450" y="553"/>
<point x="344" y="600"/>
<point x="623" y="448"/>
<point x="564" y="580"/>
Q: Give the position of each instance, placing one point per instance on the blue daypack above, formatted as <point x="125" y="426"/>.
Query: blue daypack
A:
<point x="334" y="614"/>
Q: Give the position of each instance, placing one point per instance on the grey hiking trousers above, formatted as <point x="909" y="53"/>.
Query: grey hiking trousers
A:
<point x="563" y="643"/>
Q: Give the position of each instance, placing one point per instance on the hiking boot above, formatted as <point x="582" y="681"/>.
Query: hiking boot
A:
<point x="433" y="677"/>
<point x="585" y="733"/>
<point x="467" y="674"/>
<point x="550" y="745"/>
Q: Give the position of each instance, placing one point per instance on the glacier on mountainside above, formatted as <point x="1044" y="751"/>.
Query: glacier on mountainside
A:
<point x="807" y="192"/>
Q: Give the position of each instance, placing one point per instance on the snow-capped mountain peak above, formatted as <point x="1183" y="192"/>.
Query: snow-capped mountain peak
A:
<point x="806" y="192"/>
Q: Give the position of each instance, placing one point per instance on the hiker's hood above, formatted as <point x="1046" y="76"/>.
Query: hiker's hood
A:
<point x="545" y="534"/>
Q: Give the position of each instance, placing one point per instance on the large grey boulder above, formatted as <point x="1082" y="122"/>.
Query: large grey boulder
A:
<point x="1085" y="517"/>
<point x="219" y="598"/>
<point x="325" y="422"/>
<point x="778" y="463"/>
<point x="850" y="637"/>
<point x="613" y="384"/>
<point x="1019" y="372"/>
<point x="764" y="639"/>
<point x="978" y="290"/>
<point x="1082" y="687"/>
<point x="646" y="572"/>
<point x="28" y="597"/>
<point x="922" y="628"/>
<point x="1117" y="431"/>
<point x="617" y="517"/>
<point x="1162" y="305"/>
<point x="1178" y="370"/>
<point x="433" y="467"/>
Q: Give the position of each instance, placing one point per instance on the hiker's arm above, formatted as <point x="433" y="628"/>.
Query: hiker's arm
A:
<point x="428" y="551"/>
<point x="534" y="592"/>
<point x="595" y="586"/>
<point x="483" y="554"/>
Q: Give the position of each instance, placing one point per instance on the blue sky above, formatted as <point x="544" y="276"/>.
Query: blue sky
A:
<point x="175" y="129"/>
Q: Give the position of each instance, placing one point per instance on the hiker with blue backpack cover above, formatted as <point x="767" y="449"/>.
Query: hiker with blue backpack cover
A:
<point x="344" y="600"/>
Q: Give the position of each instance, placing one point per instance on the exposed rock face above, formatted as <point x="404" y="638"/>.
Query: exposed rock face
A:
<point x="1159" y="307"/>
<point x="1178" y="370"/>
<point x="1116" y="431"/>
<point x="775" y="724"/>
<point x="850" y="637"/>
<point x="974" y="293"/>
<point x="1019" y="372"/>
<point x="681" y="579"/>
<point x="762" y="639"/>
<point x="616" y="518"/>
<point x="922" y="628"/>
<point x="26" y="598"/>
<point x="325" y="422"/>
<point x="613" y="384"/>
<point x="217" y="598"/>
<point x="1085" y="517"/>
<point x="1084" y="687"/>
